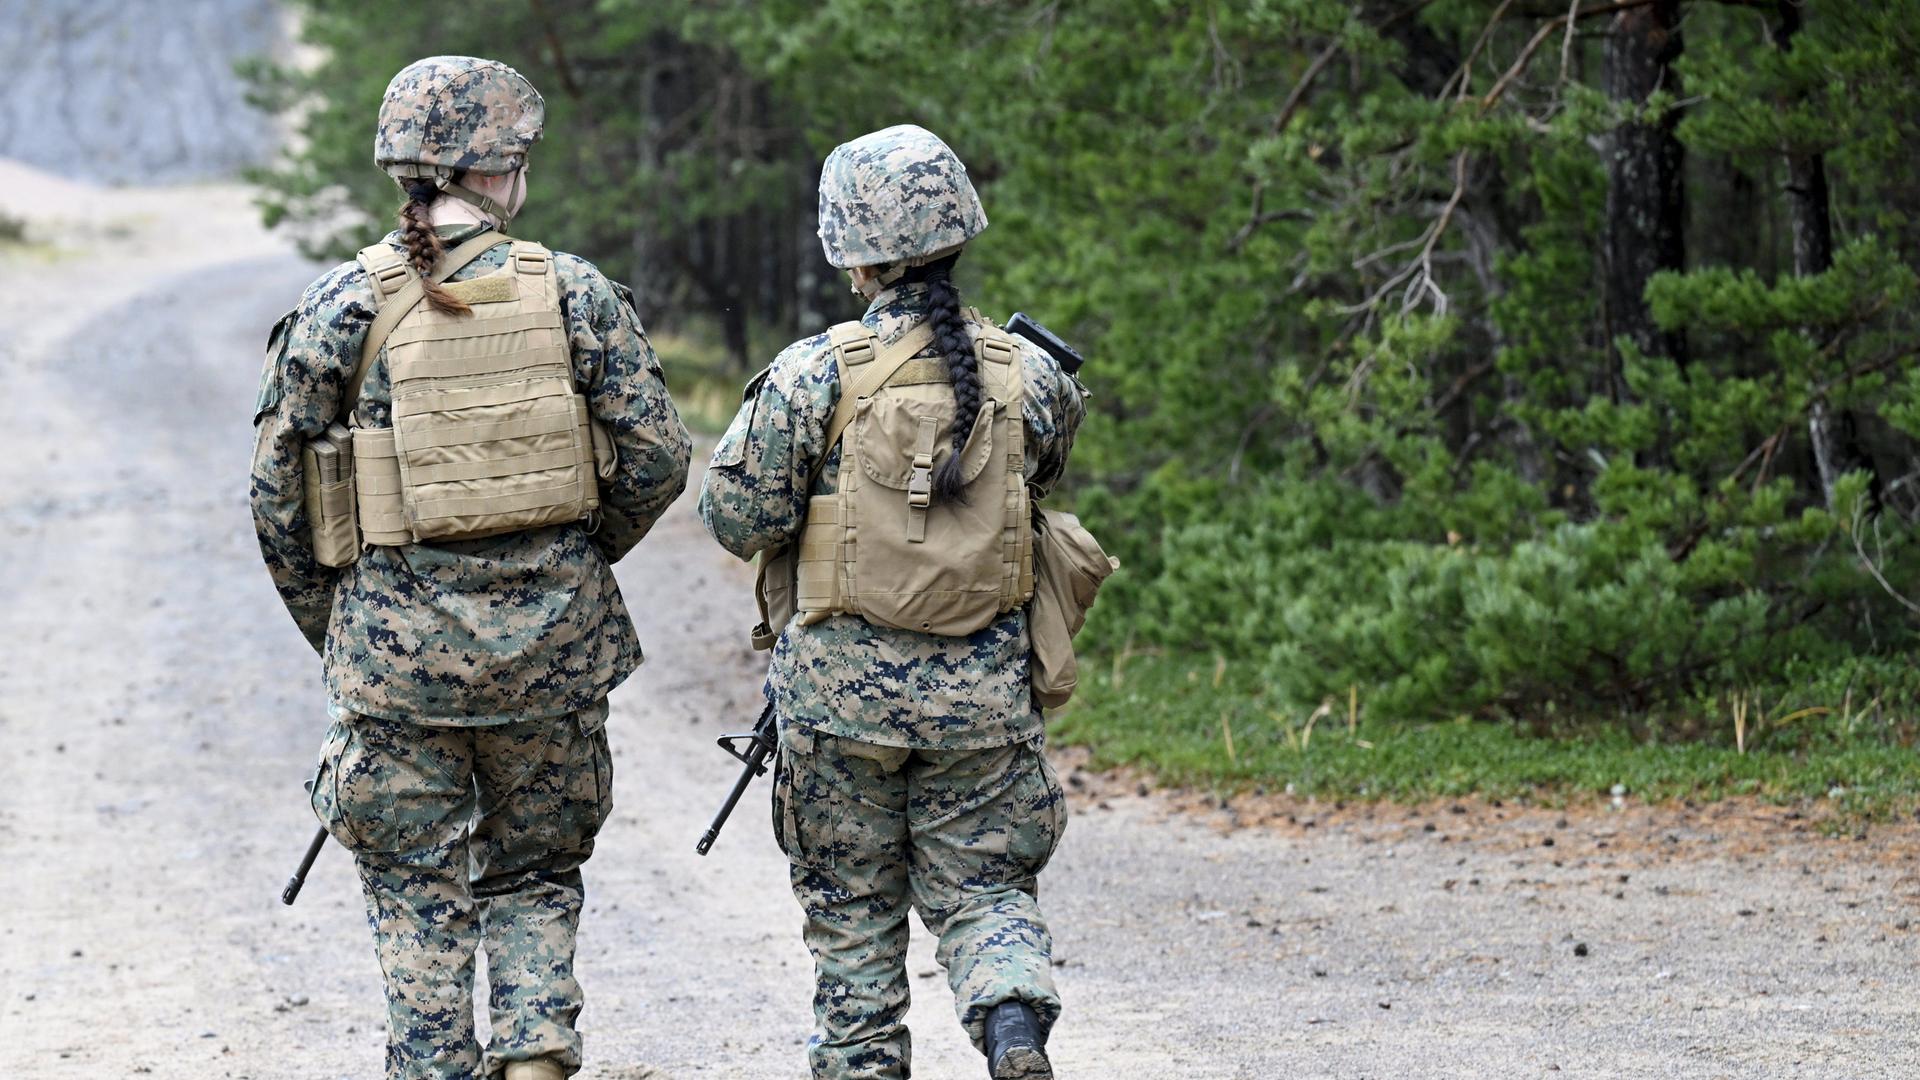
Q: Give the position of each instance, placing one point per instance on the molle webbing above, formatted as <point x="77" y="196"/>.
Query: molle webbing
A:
<point x="489" y="434"/>
<point x="397" y="290"/>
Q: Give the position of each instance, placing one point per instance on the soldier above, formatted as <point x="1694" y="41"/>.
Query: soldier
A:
<point x="472" y="639"/>
<point x="911" y="765"/>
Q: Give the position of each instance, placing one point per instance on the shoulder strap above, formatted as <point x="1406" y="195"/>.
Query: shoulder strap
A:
<point x="865" y="367"/>
<point x="395" y="303"/>
<point x="997" y="359"/>
<point x="387" y="270"/>
<point x="530" y="258"/>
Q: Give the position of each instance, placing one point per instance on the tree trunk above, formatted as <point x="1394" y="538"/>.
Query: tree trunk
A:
<point x="1646" y="185"/>
<point x="1834" y="438"/>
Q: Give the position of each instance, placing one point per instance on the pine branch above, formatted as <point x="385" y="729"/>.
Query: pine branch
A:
<point x="1546" y="31"/>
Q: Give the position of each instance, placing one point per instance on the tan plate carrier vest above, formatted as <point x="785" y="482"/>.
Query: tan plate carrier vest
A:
<point x="489" y="434"/>
<point x="882" y="547"/>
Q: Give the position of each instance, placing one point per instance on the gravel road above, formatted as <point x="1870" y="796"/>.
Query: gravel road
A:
<point x="159" y="713"/>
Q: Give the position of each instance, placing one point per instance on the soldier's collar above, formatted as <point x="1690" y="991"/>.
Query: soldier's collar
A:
<point x="462" y="231"/>
<point x="901" y="295"/>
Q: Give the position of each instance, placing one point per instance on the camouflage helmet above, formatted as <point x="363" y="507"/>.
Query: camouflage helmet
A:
<point x="447" y="114"/>
<point x="898" y="195"/>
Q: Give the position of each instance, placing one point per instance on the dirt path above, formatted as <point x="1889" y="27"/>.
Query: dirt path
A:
<point x="159" y="712"/>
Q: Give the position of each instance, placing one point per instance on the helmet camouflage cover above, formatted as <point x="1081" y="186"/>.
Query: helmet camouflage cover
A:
<point x="896" y="195"/>
<point x="458" y="113"/>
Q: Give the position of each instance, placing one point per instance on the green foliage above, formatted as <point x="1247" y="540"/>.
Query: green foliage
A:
<point x="1363" y="419"/>
<point x="1220" y="727"/>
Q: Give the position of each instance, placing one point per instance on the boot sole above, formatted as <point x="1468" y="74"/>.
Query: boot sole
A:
<point x="1023" y="1063"/>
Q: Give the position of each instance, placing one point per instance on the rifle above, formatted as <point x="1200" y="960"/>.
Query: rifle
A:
<point x="1063" y="354"/>
<point x="292" y="892"/>
<point x="763" y="740"/>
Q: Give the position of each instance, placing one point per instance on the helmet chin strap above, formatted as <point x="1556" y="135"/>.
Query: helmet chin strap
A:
<point x="879" y="279"/>
<point x="485" y="204"/>
<point x="442" y="177"/>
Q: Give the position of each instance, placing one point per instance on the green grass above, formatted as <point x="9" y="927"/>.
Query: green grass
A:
<point x="1175" y="717"/>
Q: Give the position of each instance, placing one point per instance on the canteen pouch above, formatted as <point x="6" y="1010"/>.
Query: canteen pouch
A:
<point x="327" y="467"/>
<point x="1068" y="569"/>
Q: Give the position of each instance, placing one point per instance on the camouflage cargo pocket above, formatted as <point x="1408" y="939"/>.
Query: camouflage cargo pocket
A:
<point x="547" y="784"/>
<point x="805" y="801"/>
<point x="387" y="787"/>
<point x="1039" y="814"/>
<point x="323" y="791"/>
<point x="593" y="731"/>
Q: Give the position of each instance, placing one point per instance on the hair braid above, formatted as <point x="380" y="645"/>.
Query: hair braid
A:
<point x="963" y="372"/>
<point x="424" y="246"/>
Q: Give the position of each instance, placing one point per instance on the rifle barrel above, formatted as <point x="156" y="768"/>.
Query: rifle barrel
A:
<point x="752" y="769"/>
<point x="292" y="892"/>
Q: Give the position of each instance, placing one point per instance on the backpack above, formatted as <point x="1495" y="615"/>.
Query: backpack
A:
<point x="881" y="546"/>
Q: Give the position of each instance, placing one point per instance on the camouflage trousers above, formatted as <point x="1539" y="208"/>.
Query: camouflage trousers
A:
<point x="471" y="839"/>
<point x="958" y="835"/>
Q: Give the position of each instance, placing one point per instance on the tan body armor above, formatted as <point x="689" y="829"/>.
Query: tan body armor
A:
<point x="489" y="434"/>
<point x="881" y="546"/>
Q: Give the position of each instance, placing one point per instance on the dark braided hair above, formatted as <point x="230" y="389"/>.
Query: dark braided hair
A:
<point x="424" y="246"/>
<point x="963" y="367"/>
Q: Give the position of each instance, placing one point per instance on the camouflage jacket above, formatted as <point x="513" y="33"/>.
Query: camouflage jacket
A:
<point x="475" y="632"/>
<point x="846" y="676"/>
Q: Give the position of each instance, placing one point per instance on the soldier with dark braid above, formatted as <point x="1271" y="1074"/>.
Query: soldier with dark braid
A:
<point x="883" y="473"/>
<point x="956" y="348"/>
<point x="511" y="438"/>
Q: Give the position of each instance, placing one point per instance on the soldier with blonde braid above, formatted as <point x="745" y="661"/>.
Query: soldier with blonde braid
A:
<point x="511" y="438"/>
<point x="883" y="473"/>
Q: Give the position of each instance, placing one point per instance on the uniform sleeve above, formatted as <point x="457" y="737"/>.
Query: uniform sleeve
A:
<point x="626" y="393"/>
<point x="1055" y="404"/>
<point x="310" y="358"/>
<point x="754" y="496"/>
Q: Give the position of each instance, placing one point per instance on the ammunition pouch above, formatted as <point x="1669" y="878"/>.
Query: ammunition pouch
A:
<point x="327" y="467"/>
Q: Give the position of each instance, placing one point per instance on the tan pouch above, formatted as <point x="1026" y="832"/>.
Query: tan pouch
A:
<point x="383" y="512"/>
<point x="327" y="463"/>
<point x="773" y="589"/>
<point x="606" y="456"/>
<point x="1068" y="569"/>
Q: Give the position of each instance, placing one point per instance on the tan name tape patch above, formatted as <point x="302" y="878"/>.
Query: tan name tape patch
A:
<point x="490" y="289"/>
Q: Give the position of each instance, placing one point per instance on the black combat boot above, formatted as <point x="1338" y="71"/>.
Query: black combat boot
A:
<point x="1015" y="1047"/>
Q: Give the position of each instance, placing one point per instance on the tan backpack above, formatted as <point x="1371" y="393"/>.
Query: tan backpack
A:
<point x="489" y="433"/>
<point x="881" y="547"/>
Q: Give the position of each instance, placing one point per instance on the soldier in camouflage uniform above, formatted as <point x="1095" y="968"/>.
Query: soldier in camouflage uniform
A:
<point x="911" y="767"/>
<point x="467" y="768"/>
